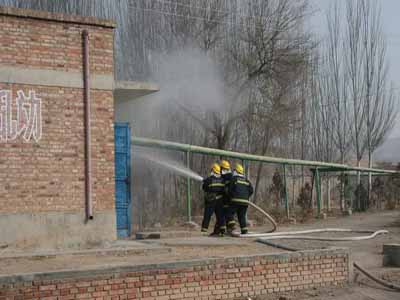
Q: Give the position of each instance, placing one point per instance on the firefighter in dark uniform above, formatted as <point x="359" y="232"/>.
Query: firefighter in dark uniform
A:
<point x="240" y="191"/>
<point x="214" y="188"/>
<point x="226" y="174"/>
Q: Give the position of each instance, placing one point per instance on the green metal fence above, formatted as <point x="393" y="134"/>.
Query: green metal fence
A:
<point x="317" y="167"/>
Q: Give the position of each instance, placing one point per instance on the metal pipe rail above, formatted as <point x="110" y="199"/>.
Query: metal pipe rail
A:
<point x="152" y="143"/>
<point x="316" y="166"/>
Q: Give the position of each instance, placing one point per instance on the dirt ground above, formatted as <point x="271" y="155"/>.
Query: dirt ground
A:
<point x="367" y="253"/>
<point x="350" y="292"/>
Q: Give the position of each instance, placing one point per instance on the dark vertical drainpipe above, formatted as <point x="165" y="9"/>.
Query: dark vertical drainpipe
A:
<point x="86" y="96"/>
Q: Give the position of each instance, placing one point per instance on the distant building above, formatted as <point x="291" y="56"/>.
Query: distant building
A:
<point x="363" y="163"/>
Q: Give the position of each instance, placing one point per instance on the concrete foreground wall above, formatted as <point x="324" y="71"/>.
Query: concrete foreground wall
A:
<point x="228" y="278"/>
<point x="42" y="137"/>
<point x="56" y="230"/>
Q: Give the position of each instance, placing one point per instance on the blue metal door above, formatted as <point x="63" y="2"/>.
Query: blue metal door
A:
<point x="123" y="178"/>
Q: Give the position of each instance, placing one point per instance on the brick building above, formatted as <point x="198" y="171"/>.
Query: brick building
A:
<point x="49" y="195"/>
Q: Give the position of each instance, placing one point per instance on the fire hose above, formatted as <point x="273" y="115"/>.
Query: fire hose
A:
<point x="270" y="219"/>
<point x="377" y="280"/>
<point x="271" y="235"/>
<point x="295" y="235"/>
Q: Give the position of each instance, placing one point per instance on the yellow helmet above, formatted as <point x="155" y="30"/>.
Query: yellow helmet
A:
<point x="216" y="169"/>
<point x="239" y="169"/>
<point x="225" y="165"/>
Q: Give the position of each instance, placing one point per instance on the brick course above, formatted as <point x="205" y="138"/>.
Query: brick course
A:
<point x="228" y="278"/>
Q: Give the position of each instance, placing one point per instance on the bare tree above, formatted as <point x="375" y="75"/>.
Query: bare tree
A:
<point x="380" y="108"/>
<point x="352" y="92"/>
<point x="337" y="87"/>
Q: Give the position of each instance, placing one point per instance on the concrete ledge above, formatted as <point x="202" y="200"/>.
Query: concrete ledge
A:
<point x="115" y="251"/>
<point x="56" y="17"/>
<point x="36" y="76"/>
<point x="51" y="230"/>
<point x="128" y="90"/>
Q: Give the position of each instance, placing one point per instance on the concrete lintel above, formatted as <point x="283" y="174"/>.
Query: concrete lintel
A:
<point x="130" y="90"/>
<point x="35" y="76"/>
<point x="123" y="90"/>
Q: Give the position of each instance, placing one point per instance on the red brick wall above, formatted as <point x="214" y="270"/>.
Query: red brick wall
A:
<point x="48" y="175"/>
<point x="214" y="279"/>
<point x="53" y="45"/>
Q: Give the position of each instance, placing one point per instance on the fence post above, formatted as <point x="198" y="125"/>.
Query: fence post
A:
<point x="329" y="195"/>
<point x="318" y="190"/>
<point x="322" y="192"/>
<point x="286" y="191"/>
<point x="189" y="189"/>
<point x="246" y="167"/>
<point x="293" y="188"/>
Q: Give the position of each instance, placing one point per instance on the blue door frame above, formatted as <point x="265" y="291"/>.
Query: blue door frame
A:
<point x="122" y="133"/>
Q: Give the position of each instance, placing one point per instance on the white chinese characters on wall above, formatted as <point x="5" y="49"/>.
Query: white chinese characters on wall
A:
<point x="20" y="116"/>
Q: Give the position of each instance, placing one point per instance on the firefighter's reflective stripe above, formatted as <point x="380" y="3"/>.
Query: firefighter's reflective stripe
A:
<point x="210" y="197"/>
<point x="239" y="200"/>
<point x="243" y="182"/>
<point x="231" y="223"/>
<point x="213" y="187"/>
<point x="216" y="184"/>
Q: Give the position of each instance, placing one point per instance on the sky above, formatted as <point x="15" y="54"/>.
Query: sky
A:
<point x="391" y="27"/>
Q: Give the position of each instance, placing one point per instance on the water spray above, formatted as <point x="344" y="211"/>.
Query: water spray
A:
<point x="170" y="164"/>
